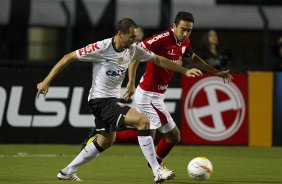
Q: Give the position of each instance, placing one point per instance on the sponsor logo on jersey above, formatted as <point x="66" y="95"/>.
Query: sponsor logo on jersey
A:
<point x="88" y="49"/>
<point x="219" y="116"/>
<point x="162" y="87"/>
<point x="158" y="37"/>
<point x="114" y="73"/>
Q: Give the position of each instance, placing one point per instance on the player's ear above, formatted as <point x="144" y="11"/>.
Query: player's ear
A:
<point x="119" y="34"/>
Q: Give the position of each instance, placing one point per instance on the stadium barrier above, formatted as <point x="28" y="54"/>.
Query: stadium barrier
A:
<point x="210" y="117"/>
<point x="213" y="112"/>
<point x="261" y="108"/>
<point x="247" y="112"/>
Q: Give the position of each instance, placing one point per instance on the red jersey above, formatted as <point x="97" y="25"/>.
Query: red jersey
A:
<point x="155" y="78"/>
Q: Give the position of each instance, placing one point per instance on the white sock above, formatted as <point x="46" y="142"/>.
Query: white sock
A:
<point x="148" y="148"/>
<point x="87" y="154"/>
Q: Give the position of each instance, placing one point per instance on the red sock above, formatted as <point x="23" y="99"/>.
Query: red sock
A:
<point x="163" y="149"/>
<point x="127" y="136"/>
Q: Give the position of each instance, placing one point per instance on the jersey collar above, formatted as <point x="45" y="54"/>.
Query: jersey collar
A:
<point x="113" y="44"/>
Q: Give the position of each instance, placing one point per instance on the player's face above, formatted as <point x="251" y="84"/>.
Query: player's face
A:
<point x="139" y="35"/>
<point x="183" y="30"/>
<point x="128" y="38"/>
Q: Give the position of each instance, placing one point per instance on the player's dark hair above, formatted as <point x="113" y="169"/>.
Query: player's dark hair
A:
<point x="186" y="16"/>
<point x="124" y="24"/>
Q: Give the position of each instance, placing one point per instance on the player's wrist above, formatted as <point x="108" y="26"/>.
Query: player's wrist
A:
<point x="186" y="72"/>
<point x="131" y="82"/>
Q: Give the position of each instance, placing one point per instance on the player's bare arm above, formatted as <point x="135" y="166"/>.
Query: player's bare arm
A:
<point x="198" y="62"/>
<point x="168" y="64"/>
<point x="130" y="88"/>
<point x="43" y="86"/>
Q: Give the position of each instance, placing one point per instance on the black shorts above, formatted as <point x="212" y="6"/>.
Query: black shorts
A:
<point x="109" y="113"/>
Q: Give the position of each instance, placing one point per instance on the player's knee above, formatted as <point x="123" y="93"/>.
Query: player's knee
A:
<point x="174" y="138"/>
<point x="107" y="144"/>
<point x="177" y="139"/>
<point x="105" y="141"/>
<point x="143" y="124"/>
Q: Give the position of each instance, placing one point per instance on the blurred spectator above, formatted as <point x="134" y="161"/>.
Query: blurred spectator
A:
<point x="277" y="55"/>
<point x="212" y="53"/>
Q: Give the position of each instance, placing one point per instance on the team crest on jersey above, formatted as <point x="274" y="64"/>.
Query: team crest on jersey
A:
<point x="120" y="104"/>
<point x="120" y="61"/>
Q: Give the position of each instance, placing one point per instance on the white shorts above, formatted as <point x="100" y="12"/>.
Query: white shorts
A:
<point x="152" y="105"/>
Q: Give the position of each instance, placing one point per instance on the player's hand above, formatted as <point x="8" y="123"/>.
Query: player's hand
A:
<point x="225" y="75"/>
<point x="130" y="90"/>
<point x="42" y="88"/>
<point x="194" y="72"/>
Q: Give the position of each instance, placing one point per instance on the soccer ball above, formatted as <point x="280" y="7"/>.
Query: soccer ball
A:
<point x="199" y="168"/>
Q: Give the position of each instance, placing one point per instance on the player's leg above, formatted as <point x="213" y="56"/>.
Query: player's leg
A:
<point x="90" y="152"/>
<point x="107" y="117"/>
<point x="167" y="142"/>
<point x="152" y="105"/>
<point x="146" y="143"/>
<point x="127" y="136"/>
<point x="92" y="134"/>
<point x="124" y="135"/>
<point x="141" y="123"/>
<point x="121" y="115"/>
<point x="143" y="100"/>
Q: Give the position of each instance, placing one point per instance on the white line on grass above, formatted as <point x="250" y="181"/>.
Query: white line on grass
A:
<point x="24" y="154"/>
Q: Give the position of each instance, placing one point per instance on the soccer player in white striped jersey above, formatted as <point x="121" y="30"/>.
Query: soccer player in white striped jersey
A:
<point x="110" y="58"/>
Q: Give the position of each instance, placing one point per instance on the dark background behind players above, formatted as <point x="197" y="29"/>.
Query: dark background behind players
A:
<point x="276" y="54"/>
<point x="247" y="44"/>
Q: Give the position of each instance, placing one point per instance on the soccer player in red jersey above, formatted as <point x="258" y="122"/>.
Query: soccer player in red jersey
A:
<point x="174" y="44"/>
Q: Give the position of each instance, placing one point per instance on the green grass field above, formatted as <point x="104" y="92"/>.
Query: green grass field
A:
<point x="39" y="164"/>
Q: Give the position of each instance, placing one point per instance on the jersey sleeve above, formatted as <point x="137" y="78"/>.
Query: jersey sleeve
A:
<point x="151" y="43"/>
<point x="142" y="53"/>
<point x="189" y="50"/>
<point x="90" y="52"/>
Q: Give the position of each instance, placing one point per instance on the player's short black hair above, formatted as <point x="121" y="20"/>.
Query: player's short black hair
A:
<point x="182" y="15"/>
<point x="124" y="24"/>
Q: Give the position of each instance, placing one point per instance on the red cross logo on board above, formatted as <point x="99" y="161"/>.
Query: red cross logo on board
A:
<point x="214" y="110"/>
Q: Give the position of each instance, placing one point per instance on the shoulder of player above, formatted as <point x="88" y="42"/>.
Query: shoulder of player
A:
<point x="139" y="45"/>
<point x="102" y="45"/>
<point x="158" y="37"/>
<point x="105" y="43"/>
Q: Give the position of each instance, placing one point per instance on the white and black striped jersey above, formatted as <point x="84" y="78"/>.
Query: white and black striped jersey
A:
<point x="109" y="65"/>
